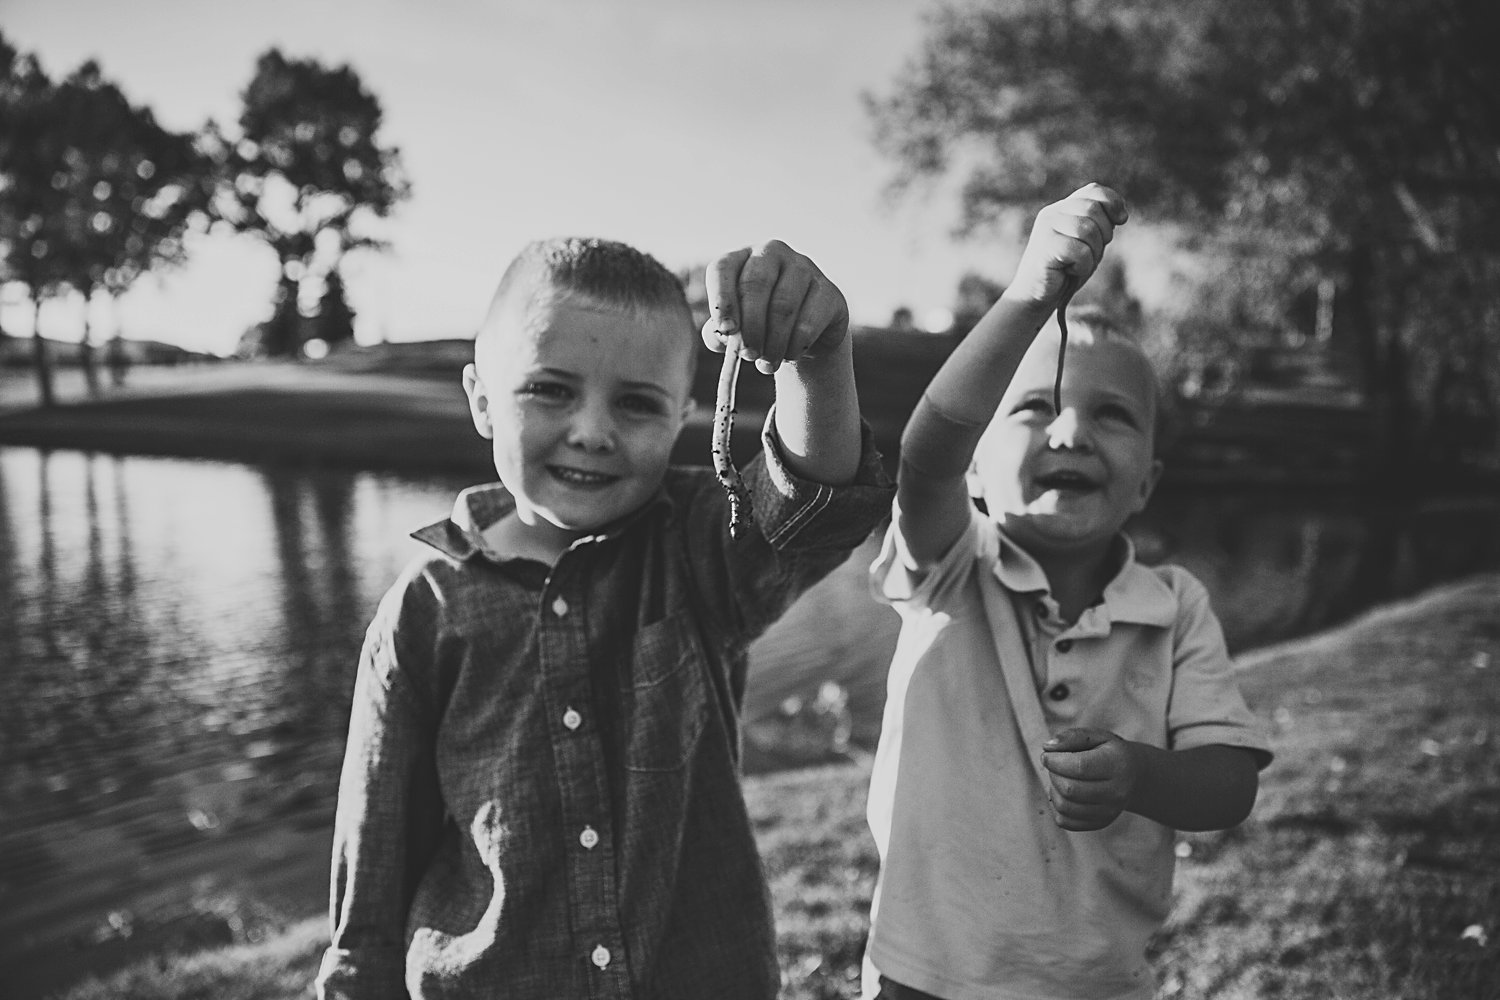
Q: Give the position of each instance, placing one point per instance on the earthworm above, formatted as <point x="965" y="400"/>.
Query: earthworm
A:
<point x="729" y="476"/>
<point x="1070" y="285"/>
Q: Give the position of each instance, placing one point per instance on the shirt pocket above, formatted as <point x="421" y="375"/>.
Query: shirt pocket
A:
<point x="666" y="705"/>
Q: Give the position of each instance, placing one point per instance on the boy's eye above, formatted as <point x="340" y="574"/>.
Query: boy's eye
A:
<point x="1119" y="414"/>
<point x="646" y="405"/>
<point x="546" y="391"/>
<point x="1034" y="408"/>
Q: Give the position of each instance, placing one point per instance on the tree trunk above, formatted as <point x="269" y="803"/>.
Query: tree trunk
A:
<point x="41" y="355"/>
<point x="86" y="349"/>
<point x="1384" y="370"/>
<point x="119" y="364"/>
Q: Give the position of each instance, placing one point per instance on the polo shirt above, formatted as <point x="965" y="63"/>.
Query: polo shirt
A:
<point x="981" y="896"/>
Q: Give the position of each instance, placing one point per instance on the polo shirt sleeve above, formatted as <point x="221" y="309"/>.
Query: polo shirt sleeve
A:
<point x="1206" y="706"/>
<point x="894" y="579"/>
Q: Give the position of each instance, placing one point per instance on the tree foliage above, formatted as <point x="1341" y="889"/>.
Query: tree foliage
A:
<point x="1302" y="141"/>
<point x="30" y="207"/>
<point x="306" y="171"/>
<point x="131" y="189"/>
<point x="95" y="192"/>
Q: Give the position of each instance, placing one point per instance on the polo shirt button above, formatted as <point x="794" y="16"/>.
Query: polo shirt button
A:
<point x="559" y="606"/>
<point x="599" y="956"/>
<point x="1063" y="645"/>
<point x="1059" y="692"/>
<point x="589" y="838"/>
<point x="572" y="719"/>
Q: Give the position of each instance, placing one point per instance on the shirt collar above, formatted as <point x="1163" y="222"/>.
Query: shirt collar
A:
<point x="478" y="508"/>
<point x="1135" y="594"/>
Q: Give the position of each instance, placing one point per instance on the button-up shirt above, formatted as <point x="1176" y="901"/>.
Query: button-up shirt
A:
<point x="540" y="796"/>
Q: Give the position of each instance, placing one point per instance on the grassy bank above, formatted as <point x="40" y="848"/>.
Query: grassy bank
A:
<point x="1370" y="869"/>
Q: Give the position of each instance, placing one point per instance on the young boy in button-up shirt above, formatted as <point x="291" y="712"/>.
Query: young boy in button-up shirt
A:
<point x="1054" y="709"/>
<point x="541" y="794"/>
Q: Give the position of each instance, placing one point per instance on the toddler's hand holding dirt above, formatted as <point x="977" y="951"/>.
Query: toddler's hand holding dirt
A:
<point x="1093" y="774"/>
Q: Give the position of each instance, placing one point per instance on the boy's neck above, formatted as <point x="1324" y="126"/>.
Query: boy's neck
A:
<point x="512" y="538"/>
<point x="1077" y="579"/>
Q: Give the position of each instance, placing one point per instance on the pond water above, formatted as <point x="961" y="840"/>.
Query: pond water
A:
<point x="178" y="638"/>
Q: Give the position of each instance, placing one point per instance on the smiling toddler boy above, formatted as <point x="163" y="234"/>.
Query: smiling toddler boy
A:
<point x="1054" y="709"/>
<point x="540" y="796"/>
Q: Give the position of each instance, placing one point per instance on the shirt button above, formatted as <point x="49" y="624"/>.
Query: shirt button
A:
<point x="1063" y="645"/>
<point x="599" y="956"/>
<point x="559" y="606"/>
<point x="589" y="838"/>
<point x="572" y="719"/>
<point x="1059" y="692"/>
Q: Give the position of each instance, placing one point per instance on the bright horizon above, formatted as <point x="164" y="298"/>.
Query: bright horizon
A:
<point x="686" y="127"/>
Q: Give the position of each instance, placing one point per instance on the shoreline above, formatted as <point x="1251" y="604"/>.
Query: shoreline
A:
<point x="390" y="409"/>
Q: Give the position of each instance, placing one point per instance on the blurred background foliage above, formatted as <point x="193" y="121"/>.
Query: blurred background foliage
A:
<point x="1333" y="165"/>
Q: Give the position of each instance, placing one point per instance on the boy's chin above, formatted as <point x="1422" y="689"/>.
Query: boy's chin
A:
<point x="1053" y="535"/>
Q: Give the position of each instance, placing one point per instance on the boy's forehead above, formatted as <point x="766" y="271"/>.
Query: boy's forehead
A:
<point x="553" y="318"/>
<point x="1105" y="361"/>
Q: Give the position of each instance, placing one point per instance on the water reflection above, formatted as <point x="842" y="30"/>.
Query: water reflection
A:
<point x="178" y="641"/>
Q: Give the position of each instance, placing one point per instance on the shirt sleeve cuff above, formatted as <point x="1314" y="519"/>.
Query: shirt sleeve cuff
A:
<point x="1224" y="734"/>
<point x="786" y="505"/>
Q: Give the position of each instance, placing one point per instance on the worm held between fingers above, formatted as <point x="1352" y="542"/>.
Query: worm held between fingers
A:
<point x="1070" y="285"/>
<point x="729" y="476"/>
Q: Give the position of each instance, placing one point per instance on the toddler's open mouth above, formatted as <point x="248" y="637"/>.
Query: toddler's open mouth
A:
<point x="1066" y="480"/>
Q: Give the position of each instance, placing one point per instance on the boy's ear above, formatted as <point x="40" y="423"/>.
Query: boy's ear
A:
<point x="479" y="401"/>
<point x="1148" y="485"/>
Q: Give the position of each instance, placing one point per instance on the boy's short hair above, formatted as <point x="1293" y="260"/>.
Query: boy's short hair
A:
<point x="606" y="271"/>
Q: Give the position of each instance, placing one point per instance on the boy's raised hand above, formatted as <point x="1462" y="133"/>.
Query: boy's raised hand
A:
<point x="777" y="302"/>
<point x="1067" y="239"/>
<point x="1093" y="774"/>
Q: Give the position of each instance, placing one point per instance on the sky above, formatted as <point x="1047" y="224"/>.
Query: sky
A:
<point x="685" y="127"/>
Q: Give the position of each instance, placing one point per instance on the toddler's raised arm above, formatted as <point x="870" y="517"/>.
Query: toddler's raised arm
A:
<point x="1066" y="244"/>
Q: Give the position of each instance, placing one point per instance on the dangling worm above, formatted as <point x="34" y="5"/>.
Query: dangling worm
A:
<point x="729" y="476"/>
<point x="1070" y="285"/>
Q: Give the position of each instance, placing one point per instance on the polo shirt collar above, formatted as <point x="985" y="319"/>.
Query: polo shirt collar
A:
<point x="1135" y="594"/>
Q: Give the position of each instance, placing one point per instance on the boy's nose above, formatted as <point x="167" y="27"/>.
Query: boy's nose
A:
<point x="592" y="430"/>
<point x="1067" y="431"/>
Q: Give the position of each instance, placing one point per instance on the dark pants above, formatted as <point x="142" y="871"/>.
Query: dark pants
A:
<point x="895" y="991"/>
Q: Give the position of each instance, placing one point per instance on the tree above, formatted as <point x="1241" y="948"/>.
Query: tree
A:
<point x="31" y="206"/>
<point x="1299" y="142"/>
<point x="306" y="174"/>
<point x="335" y="318"/>
<point x="94" y="191"/>
<point x="972" y="299"/>
<point x="131" y="190"/>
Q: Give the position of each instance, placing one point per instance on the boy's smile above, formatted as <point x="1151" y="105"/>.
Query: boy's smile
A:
<point x="1067" y="483"/>
<point x="583" y="402"/>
